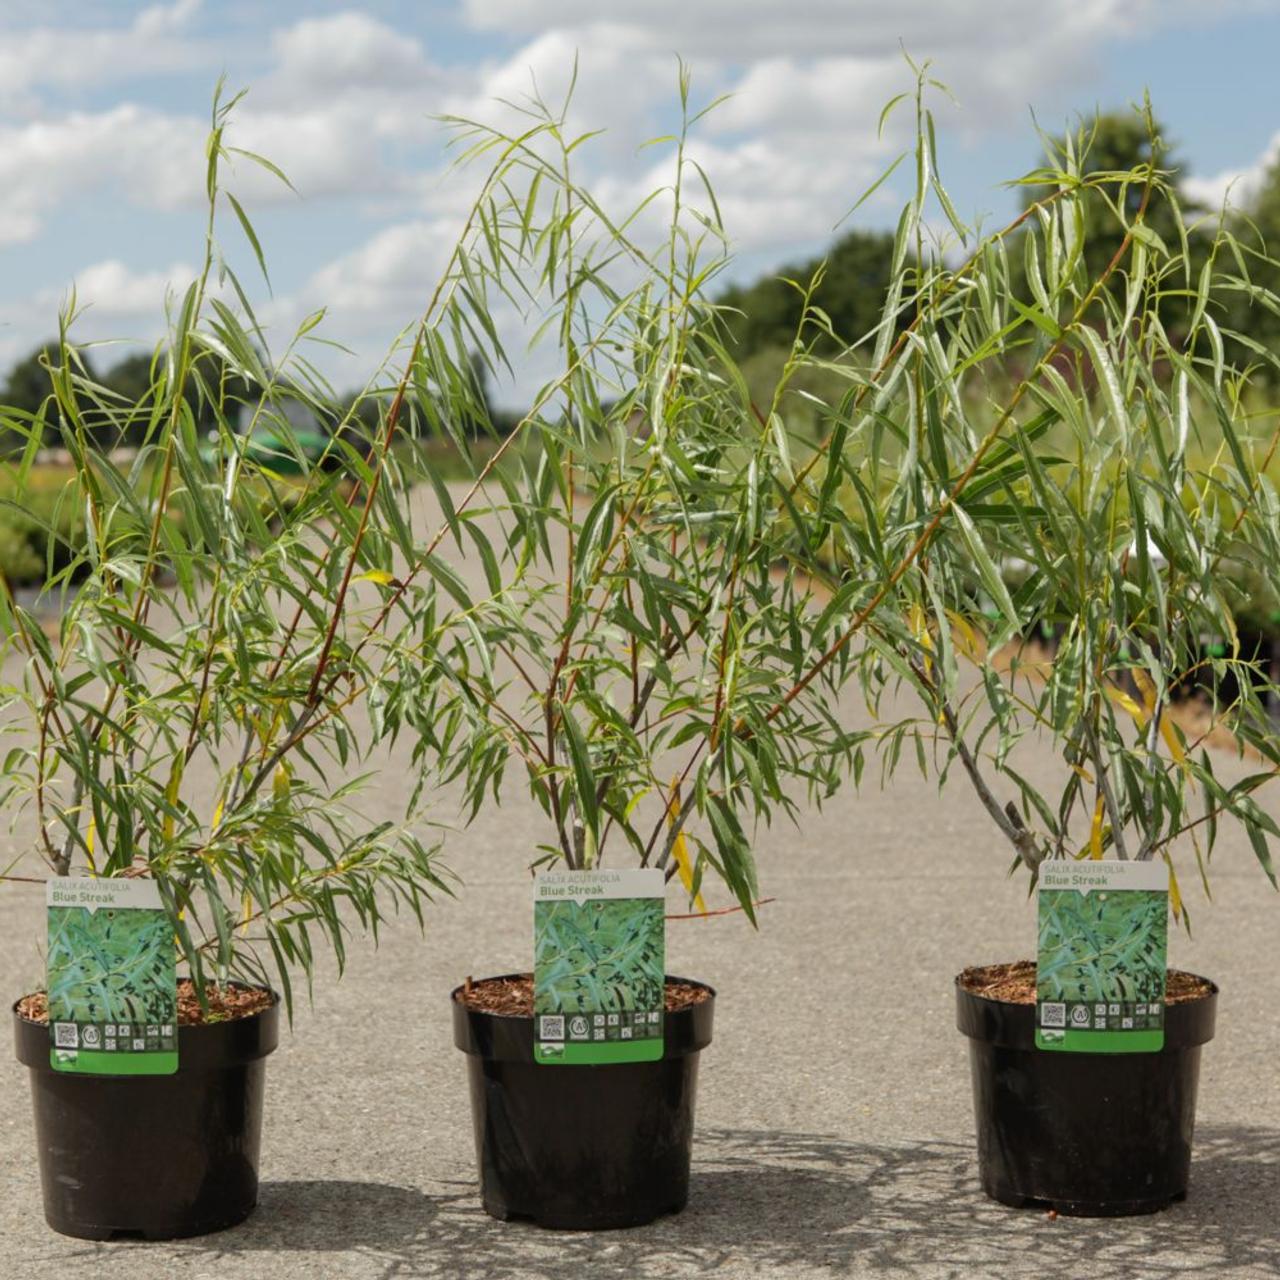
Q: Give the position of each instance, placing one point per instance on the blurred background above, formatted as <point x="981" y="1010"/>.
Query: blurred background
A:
<point x="103" y="111"/>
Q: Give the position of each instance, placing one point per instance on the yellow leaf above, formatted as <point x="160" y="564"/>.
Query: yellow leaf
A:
<point x="1170" y="733"/>
<point x="171" y="793"/>
<point x="968" y="637"/>
<point x="918" y="621"/>
<point x="88" y="845"/>
<point x="1095" y="831"/>
<point x="680" y="849"/>
<point x="246" y="913"/>
<point x="1175" y="896"/>
<point x="1122" y="699"/>
<point x="1167" y="730"/>
<point x="380" y="576"/>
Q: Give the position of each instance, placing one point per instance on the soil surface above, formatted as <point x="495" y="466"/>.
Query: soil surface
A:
<point x="225" y="1004"/>
<point x="513" y="997"/>
<point x="1016" y="983"/>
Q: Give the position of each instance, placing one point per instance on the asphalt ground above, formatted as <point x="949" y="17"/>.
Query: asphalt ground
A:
<point x="835" y="1134"/>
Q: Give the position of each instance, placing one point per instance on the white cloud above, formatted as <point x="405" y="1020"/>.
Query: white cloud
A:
<point x="343" y="102"/>
<point x="343" y="89"/>
<point x="114" y="303"/>
<point x="344" y="97"/>
<point x="618" y="85"/>
<point x="1240" y="186"/>
<point x="389" y="277"/>
<point x="143" y="155"/>
<point x="344" y="50"/>
<point x="743" y="30"/>
<point x="110" y="291"/>
<point x="75" y="56"/>
<point x="164" y="19"/>
<point x="788" y="95"/>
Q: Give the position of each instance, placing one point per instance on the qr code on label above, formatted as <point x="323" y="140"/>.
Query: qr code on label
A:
<point x="550" y="1028"/>
<point x="1053" y="1015"/>
<point x="65" y="1035"/>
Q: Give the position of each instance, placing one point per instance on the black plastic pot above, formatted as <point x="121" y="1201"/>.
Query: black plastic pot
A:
<point x="581" y="1148"/>
<point x="153" y="1157"/>
<point x="1087" y="1134"/>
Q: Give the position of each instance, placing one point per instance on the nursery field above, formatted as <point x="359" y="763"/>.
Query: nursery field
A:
<point x="834" y="1136"/>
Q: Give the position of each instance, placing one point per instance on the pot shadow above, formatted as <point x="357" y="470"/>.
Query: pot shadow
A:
<point x="769" y="1203"/>
<point x="388" y="1224"/>
<point x="332" y="1216"/>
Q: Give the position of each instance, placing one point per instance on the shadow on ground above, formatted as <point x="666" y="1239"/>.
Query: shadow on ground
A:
<point x="767" y="1203"/>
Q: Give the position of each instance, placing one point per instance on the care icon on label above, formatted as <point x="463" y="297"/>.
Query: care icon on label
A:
<point x="1080" y="1016"/>
<point x="578" y="1028"/>
<point x="92" y="1038"/>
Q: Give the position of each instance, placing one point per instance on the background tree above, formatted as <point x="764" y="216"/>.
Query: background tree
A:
<point x="1112" y="151"/>
<point x="851" y="292"/>
<point x="28" y="389"/>
<point x="1258" y="227"/>
<point x="1118" y="142"/>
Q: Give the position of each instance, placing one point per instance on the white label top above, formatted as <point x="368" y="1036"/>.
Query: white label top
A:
<point x="1106" y="873"/>
<point x="130" y="892"/>
<point x="580" y="886"/>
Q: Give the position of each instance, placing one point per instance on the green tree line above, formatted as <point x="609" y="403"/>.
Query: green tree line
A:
<point x="847" y="285"/>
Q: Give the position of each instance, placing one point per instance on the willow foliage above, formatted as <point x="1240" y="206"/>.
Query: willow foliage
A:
<point x="1068" y="458"/>
<point x="659" y="599"/>
<point x="192" y="718"/>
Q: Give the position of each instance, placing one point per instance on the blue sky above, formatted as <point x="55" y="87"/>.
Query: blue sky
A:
<point x="102" y="110"/>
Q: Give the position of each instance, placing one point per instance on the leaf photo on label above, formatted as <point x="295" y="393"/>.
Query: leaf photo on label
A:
<point x="110" y="965"/>
<point x="1102" y="946"/>
<point x="598" y="957"/>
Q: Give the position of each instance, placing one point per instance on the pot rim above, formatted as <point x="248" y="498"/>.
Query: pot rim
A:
<point x="527" y="1017"/>
<point x="1187" y="1024"/>
<point x="1212" y="994"/>
<point x="208" y="1046"/>
<point x="508" y="1037"/>
<point x="189" y="1026"/>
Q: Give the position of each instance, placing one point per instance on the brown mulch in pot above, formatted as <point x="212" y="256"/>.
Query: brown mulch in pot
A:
<point x="513" y="997"/>
<point x="225" y="1004"/>
<point x="1016" y="983"/>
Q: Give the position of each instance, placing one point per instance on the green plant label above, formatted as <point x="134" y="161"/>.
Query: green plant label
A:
<point x="1101" y="962"/>
<point x="113" y="989"/>
<point x="598" y="966"/>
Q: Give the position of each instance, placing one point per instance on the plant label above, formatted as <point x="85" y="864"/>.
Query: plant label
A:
<point x="598" y="966"/>
<point x="1101" y="963"/>
<point x="112" y="981"/>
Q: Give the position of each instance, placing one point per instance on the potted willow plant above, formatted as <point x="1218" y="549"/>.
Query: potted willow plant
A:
<point x="624" y="631"/>
<point x="1073" y="454"/>
<point x="193" y="727"/>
